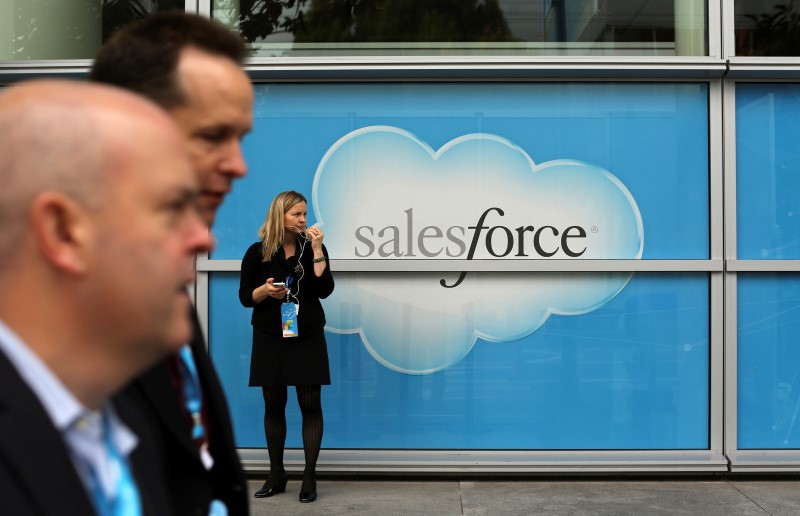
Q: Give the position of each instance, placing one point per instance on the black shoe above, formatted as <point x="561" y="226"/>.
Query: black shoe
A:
<point x="271" y="488"/>
<point x="308" y="492"/>
<point x="308" y="497"/>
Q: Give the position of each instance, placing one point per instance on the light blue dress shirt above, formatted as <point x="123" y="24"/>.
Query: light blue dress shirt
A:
<point x="80" y="427"/>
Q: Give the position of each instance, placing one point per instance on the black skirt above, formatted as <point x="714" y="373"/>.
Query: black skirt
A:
<point x="288" y="361"/>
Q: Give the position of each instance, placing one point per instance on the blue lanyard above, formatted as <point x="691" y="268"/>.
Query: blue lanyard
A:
<point x="125" y="499"/>
<point x="192" y="393"/>
<point x="289" y="280"/>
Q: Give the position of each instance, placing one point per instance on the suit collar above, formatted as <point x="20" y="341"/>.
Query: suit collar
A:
<point x="59" y="403"/>
<point x="33" y="448"/>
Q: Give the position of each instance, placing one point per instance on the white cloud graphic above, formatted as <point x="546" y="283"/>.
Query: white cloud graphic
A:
<point x="380" y="192"/>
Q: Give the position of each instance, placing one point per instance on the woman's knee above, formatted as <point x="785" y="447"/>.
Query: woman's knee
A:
<point x="309" y="398"/>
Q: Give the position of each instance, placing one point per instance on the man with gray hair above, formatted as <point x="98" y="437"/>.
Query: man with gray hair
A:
<point x="98" y="231"/>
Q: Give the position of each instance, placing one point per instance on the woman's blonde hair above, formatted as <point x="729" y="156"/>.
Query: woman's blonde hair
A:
<point x="272" y="231"/>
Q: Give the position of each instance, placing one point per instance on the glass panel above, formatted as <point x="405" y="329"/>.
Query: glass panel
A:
<point x="455" y="27"/>
<point x="767" y="171"/>
<point x="67" y="29"/>
<point x="429" y="159"/>
<point x="767" y="27"/>
<point x="632" y="373"/>
<point x="768" y="361"/>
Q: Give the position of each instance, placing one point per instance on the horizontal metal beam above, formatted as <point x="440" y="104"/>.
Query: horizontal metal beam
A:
<point x="442" y="68"/>
<point x="762" y="265"/>
<point x="765" y="461"/>
<point x="485" y="461"/>
<point x="405" y="265"/>
<point x="13" y="71"/>
<point x="771" y="68"/>
<point x="483" y="68"/>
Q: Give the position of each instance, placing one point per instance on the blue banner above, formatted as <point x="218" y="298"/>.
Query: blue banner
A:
<point x="497" y="171"/>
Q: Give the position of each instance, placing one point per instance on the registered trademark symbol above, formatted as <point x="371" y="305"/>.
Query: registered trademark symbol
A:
<point x="594" y="229"/>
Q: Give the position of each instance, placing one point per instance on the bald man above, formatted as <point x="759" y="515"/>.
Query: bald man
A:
<point x="98" y="231"/>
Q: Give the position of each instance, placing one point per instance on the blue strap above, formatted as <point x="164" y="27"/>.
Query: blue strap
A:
<point x="217" y="508"/>
<point x="124" y="501"/>
<point x="192" y="393"/>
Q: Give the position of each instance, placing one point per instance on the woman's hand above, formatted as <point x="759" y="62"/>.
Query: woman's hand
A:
<point x="315" y="234"/>
<point x="273" y="291"/>
<point x="270" y="290"/>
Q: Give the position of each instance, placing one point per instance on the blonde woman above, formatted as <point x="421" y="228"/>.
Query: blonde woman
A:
<point x="283" y="277"/>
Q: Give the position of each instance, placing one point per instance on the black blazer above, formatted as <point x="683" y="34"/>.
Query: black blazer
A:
<point x="190" y="486"/>
<point x="37" y="475"/>
<point x="267" y="314"/>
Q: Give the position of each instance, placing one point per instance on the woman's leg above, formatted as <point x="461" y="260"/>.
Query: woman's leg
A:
<point x="275" y="430"/>
<point x="309" y="399"/>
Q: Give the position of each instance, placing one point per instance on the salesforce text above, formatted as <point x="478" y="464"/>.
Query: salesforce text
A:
<point x="432" y="241"/>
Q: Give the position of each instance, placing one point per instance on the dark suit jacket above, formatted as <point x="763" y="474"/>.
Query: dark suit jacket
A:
<point x="37" y="475"/>
<point x="190" y="486"/>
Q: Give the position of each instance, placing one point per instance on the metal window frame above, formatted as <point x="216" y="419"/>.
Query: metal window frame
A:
<point x="708" y="69"/>
<point x="545" y="461"/>
<point x="745" y="69"/>
<point x="750" y="460"/>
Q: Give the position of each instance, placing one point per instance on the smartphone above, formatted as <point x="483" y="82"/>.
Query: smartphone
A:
<point x="279" y="284"/>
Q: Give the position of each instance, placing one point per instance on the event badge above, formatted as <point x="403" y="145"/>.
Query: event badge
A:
<point x="289" y="319"/>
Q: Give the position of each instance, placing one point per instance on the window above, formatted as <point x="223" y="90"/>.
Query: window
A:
<point x="767" y="27"/>
<point x="67" y="29"/>
<point x="458" y="27"/>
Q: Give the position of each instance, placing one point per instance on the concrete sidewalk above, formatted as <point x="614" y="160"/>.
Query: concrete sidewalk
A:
<point x="445" y="497"/>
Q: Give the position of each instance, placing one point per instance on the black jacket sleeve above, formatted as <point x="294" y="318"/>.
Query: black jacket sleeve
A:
<point x="323" y="285"/>
<point x="250" y="278"/>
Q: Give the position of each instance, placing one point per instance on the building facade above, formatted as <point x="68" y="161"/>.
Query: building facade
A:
<point x="565" y="234"/>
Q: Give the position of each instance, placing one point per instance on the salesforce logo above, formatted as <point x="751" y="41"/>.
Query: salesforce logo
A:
<point x="436" y="234"/>
<point x="381" y="193"/>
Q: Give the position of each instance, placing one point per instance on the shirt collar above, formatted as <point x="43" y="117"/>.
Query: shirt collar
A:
<point x="59" y="403"/>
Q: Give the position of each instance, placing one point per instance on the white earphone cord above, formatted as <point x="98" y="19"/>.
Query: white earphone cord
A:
<point x="303" y="242"/>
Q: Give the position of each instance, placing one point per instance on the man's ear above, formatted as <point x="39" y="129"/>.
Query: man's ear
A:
<point x="61" y="228"/>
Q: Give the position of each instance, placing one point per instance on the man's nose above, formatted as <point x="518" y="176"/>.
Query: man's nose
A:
<point x="234" y="163"/>
<point x="198" y="235"/>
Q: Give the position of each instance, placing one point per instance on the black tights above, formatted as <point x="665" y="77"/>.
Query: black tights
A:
<point x="310" y="402"/>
